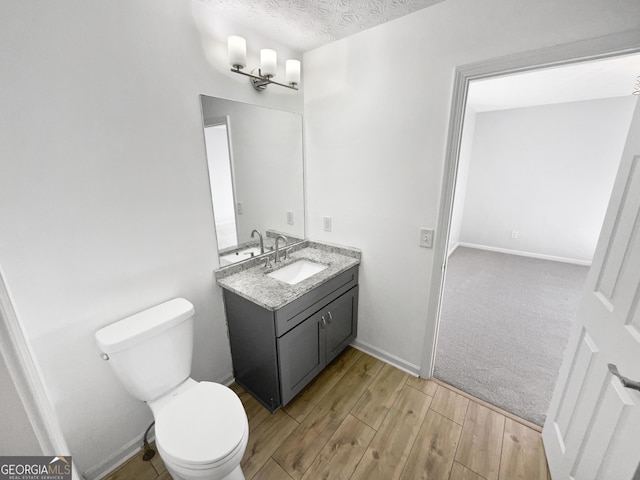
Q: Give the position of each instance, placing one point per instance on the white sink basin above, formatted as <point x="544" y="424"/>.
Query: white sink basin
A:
<point x="297" y="272"/>
<point x="238" y="256"/>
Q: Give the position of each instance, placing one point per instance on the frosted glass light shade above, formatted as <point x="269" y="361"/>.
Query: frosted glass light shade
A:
<point x="293" y="71"/>
<point x="237" y="51"/>
<point x="268" y="62"/>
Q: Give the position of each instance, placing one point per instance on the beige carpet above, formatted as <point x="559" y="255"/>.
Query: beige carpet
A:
<point x="504" y="325"/>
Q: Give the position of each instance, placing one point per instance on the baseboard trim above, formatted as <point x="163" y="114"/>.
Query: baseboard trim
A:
<point x="124" y="454"/>
<point x="574" y="261"/>
<point x="386" y="357"/>
<point x="227" y="380"/>
<point x="115" y="460"/>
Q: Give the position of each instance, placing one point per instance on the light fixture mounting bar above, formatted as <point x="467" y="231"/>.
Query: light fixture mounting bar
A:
<point x="260" y="82"/>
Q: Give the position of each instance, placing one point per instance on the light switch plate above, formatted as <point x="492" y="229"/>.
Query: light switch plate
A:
<point x="426" y="237"/>
<point x="326" y="222"/>
<point x="239" y="208"/>
<point x="290" y="218"/>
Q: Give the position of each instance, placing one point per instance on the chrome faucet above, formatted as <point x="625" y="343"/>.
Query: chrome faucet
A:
<point x="286" y="246"/>
<point x="261" y="241"/>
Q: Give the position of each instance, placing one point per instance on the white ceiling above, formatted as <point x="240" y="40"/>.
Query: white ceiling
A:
<point x="615" y="77"/>
<point x="307" y="24"/>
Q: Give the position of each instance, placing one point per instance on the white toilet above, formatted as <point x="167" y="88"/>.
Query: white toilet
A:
<point x="201" y="427"/>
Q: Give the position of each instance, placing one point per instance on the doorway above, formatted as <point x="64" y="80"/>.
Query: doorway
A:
<point x="512" y="231"/>
<point x="216" y="136"/>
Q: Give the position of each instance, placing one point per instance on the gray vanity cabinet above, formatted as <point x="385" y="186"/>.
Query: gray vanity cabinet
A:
<point x="306" y="349"/>
<point x="301" y="356"/>
<point x="339" y="331"/>
<point x="277" y="353"/>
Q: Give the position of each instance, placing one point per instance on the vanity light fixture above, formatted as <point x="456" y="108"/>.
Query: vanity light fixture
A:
<point x="261" y="77"/>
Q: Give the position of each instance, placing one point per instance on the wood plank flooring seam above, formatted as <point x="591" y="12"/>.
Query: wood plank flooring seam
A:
<point x="456" y="463"/>
<point x="411" y="386"/>
<point x="480" y="424"/>
<point x="349" y="413"/>
<point x="341" y="455"/>
<point x="299" y="450"/>
<point x="389" y="449"/>
<point x="501" y="450"/>
<point x="370" y="426"/>
<point x="281" y="466"/>
<point x="455" y="455"/>
<point x="360" y="398"/>
<point x="287" y="414"/>
<point x="348" y="449"/>
<point x="386" y="414"/>
<point x="361" y="458"/>
<point x="479" y="401"/>
<point x="416" y="437"/>
<point x="422" y="425"/>
<point x="327" y="377"/>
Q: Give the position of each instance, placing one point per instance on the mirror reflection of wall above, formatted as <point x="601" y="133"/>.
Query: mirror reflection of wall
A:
<point x="256" y="173"/>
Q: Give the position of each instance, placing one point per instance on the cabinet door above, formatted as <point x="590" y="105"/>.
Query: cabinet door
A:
<point x="341" y="315"/>
<point x="301" y="353"/>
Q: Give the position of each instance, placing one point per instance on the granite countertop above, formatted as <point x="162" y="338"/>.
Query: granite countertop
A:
<point x="252" y="282"/>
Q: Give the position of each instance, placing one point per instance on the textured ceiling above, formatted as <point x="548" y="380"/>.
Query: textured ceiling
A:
<point x="307" y="24"/>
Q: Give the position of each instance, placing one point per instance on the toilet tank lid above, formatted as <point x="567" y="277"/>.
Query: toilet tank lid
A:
<point x="131" y="330"/>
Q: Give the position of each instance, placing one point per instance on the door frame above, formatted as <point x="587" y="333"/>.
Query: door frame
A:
<point x="25" y="375"/>
<point x="214" y="122"/>
<point x="593" y="49"/>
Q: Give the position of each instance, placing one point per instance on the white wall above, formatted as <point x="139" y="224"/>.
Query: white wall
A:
<point x="547" y="173"/>
<point x="376" y="111"/>
<point x="462" y="178"/>
<point x="104" y="196"/>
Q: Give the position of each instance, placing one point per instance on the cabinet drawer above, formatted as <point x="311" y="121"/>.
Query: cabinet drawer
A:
<point x="297" y="311"/>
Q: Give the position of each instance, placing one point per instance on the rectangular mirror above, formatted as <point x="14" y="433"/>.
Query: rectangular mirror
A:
<point x="256" y="174"/>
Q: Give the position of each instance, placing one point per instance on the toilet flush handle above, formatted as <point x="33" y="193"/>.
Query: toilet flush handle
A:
<point x="104" y="356"/>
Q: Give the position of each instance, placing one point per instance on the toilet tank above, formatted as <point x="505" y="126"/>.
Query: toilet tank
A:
<point x="151" y="351"/>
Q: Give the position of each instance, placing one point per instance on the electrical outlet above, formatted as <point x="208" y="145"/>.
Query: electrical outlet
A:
<point x="514" y="234"/>
<point x="426" y="237"/>
<point x="326" y="222"/>
<point x="290" y="218"/>
<point x="239" y="208"/>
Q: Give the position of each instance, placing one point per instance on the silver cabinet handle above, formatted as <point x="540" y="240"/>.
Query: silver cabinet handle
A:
<point x="323" y="323"/>
<point x="330" y="316"/>
<point x="625" y="381"/>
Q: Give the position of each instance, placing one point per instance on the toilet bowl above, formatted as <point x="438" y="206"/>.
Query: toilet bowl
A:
<point x="202" y="432"/>
<point x="201" y="427"/>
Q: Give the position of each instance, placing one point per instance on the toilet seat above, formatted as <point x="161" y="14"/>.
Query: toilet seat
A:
<point x="202" y="427"/>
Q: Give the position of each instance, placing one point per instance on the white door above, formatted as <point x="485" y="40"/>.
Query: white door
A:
<point x="592" y="429"/>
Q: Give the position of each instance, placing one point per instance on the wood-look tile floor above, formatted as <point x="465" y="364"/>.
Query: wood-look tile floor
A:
<point x="364" y="419"/>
